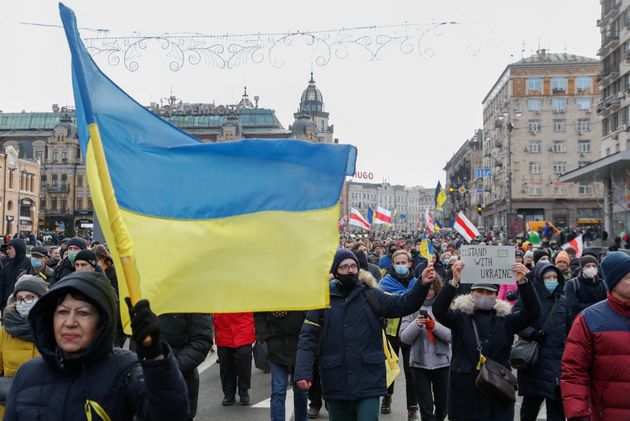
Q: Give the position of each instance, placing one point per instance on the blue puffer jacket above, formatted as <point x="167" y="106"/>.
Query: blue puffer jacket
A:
<point x="54" y="388"/>
<point x="351" y="358"/>
<point x="543" y="380"/>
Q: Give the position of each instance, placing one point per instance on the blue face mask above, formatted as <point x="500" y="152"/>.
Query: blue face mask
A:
<point x="401" y="270"/>
<point x="551" y="284"/>
<point x="36" y="263"/>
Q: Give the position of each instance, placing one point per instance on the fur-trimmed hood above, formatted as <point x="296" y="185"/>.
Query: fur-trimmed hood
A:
<point x="367" y="279"/>
<point x="465" y="304"/>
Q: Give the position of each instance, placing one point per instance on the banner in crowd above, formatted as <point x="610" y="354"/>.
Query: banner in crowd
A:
<point x="487" y="264"/>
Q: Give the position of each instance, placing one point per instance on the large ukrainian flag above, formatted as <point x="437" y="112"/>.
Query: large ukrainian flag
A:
<point x="236" y="226"/>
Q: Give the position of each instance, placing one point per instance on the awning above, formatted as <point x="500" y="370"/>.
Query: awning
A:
<point x="599" y="170"/>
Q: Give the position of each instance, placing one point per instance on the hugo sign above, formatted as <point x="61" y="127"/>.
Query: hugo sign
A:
<point x="363" y="175"/>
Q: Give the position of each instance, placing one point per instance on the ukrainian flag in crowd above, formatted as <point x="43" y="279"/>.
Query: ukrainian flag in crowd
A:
<point x="426" y="249"/>
<point x="236" y="226"/>
<point x="440" y="196"/>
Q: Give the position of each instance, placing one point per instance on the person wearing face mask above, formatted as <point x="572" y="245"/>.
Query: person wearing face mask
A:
<point x="542" y="382"/>
<point x="16" y="264"/>
<point x="16" y="335"/>
<point x="399" y="280"/>
<point x="587" y="288"/>
<point x="347" y="337"/>
<point x="563" y="262"/>
<point x="66" y="266"/>
<point x="39" y="267"/>
<point x="497" y="323"/>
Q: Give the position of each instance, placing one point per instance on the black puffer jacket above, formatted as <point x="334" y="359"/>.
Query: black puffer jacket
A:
<point x="63" y="269"/>
<point x="581" y="292"/>
<point x="543" y="380"/>
<point x="190" y="336"/>
<point x="12" y="269"/>
<point x="496" y="330"/>
<point x="54" y="388"/>
<point x="281" y="330"/>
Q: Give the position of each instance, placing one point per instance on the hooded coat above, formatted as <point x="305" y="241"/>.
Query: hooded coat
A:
<point x="54" y="388"/>
<point x="582" y="292"/>
<point x="543" y="380"/>
<point x="496" y="331"/>
<point x="347" y="336"/>
<point x="281" y="331"/>
<point x="12" y="269"/>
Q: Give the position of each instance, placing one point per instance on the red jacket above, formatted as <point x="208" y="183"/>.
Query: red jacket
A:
<point x="596" y="363"/>
<point x="233" y="330"/>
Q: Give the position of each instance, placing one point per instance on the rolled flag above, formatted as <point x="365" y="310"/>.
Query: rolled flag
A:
<point x="431" y="224"/>
<point x="358" y="220"/>
<point x="370" y="215"/>
<point x="577" y="243"/>
<point x="382" y="216"/>
<point x="467" y="229"/>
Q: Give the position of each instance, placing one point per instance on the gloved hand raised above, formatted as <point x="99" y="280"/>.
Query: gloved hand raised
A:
<point x="145" y="325"/>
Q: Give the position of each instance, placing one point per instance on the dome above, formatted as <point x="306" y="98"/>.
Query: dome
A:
<point x="312" y="99"/>
<point x="303" y="124"/>
<point x="245" y="102"/>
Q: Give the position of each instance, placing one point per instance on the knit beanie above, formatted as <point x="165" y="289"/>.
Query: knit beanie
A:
<point x="538" y="254"/>
<point x="340" y="256"/>
<point x="528" y="254"/>
<point x="584" y="260"/>
<point x="87" y="256"/>
<point x="563" y="256"/>
<point x="31" y="283"/>
<point x="78" y="242"/>
<point x="615" y="265"/>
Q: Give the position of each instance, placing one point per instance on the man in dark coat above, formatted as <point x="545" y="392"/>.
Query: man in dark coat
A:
<point x="18" y="263"/>
<point x="190" y="336"/>
<point x="281" y="331"/>
<point x="542" y="382"/>
<point x="587" y="288"/>
<point x="66" y="266"/>
<point x="497" y="324"/>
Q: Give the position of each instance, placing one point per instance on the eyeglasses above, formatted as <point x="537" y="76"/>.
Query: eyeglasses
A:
<point x="350" y="266"/>
<point x="26" y="300"/>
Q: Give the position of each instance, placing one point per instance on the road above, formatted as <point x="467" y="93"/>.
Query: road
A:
<point x="210" y="396"/>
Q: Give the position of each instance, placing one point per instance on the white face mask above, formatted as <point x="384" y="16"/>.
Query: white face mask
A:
<point x="483" y="302"/>
<point x="589" y="272"/>
<point x="24" y="308"/>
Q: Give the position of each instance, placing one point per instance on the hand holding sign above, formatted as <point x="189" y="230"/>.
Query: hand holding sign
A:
<point x="487" y="264"/>
<point x="457" y="271"/>
<point x="520" y="271"/>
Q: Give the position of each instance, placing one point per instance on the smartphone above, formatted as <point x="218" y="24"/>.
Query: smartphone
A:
<point x="424" y="314"/>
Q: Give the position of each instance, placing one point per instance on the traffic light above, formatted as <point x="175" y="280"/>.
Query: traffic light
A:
<point x="479" y="209"/>
<point x="451" y="189"/>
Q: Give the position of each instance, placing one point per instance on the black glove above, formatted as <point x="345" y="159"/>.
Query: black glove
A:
<point x="144" y="324"/>
<point x="538" y="336"/>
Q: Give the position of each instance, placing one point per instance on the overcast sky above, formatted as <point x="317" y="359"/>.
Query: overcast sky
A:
<point x="406" y="113"/>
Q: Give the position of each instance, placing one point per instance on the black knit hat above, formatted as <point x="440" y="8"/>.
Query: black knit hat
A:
<point x="584" y="260"/>
<point x="78" y="242"/>
<point x="340" y="256"/>
<point x="538" y="254"/>
<point x="87" y="256"/>
<point x="615" y="265"/>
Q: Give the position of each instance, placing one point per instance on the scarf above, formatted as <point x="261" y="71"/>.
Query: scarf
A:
<point x="16" y="325"/>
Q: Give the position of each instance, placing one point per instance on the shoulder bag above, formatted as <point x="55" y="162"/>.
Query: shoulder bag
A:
<point x="495" y="381"/>
<point x="524" y="352"/>
<point x="391" y="358"/>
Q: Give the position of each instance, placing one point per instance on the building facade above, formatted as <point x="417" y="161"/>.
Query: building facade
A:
<point x="538" y="123"/>
<point x="407" y="204"/>
<point x="19" y="186"/>
<point x="63" y="200"/>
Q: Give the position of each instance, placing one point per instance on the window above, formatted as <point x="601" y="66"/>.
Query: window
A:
<point x="559" y="125"/>
<point x="559" y="105"/>
<point x="39" y="156"/>
<point x="559" y="167"/>
<point x="614" y="121"/>
<point x="64" y="156"/>
<point x="54" y="180"/>
<point x="559" y="189"/>
<point x="55" y="156"/>
<point x="79" y="180"/>
<point x="534" y="105"/>
<point x="535" y="190"/>
<point x="584" y="188"/>
<point x="534" y="146"/>
<point x="53" y="203"/>
<point x="43" y="181"/>
<point x="42" y="203"/>
<point x="534" y="126"/>
<point x="11" y="179"/>
<point x="605" y="126"/>
<point x="89" y="200"/>
<point x="584" y="124"/>
<point x="559" y="146"/>
<point x="584" y="146"/>
<point x="534" y="85"/>
<point x="583" y="103"/>
<point x="559" y="85"/>
<point x="79" y="204"/>
<point x="583" y="84"/>
<point x="535" y="168"/>
<point x="64" y="203"/>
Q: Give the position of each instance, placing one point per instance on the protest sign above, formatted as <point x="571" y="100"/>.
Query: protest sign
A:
<point x="487" y="264"/>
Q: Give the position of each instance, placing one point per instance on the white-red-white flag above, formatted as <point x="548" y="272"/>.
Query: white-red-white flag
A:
<point x="382" y="216"/>
<point x="358" y="220"/>
<point x="577" y="243"/>
<point x="467" y="229"/>
<point x="429" y="221"/>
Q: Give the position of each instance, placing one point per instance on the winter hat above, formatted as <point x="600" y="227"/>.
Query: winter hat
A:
<point x="340" y="256"/>
<point x="538" y="254"/>
<point x="584" y="260"/>
<point x="39" y="251"/>
<point x="615" y="265"/>
<point x="487" y="287"/>
<point x="87" y="256"/>
<point x="31" y="283"/>
<point x="563" y="256"/>
<point x="528" y="254"/>
<point x="78" y="242"/>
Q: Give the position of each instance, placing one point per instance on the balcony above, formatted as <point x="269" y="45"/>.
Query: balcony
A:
<point x="610" y="39"/>
<point x="613" y="100"/>
<point x="58" y="188"/>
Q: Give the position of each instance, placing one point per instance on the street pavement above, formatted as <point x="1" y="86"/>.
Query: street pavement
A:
<point x="210" y="396"/>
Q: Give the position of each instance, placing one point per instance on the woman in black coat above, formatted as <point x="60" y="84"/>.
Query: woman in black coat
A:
<point x="542" y="382"/>
<point x="497" y="324"/>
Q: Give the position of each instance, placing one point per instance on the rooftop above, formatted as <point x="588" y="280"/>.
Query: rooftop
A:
<point x="545" y="57"/>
